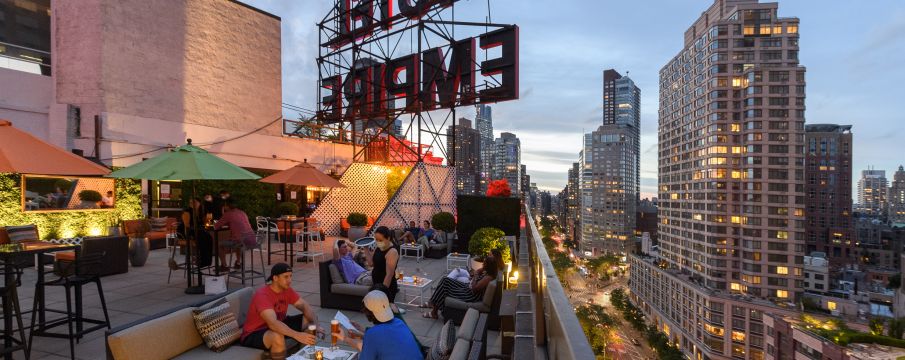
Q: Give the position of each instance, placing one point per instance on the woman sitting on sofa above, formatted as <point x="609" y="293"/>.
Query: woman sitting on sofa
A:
<point x="470" y="292"/>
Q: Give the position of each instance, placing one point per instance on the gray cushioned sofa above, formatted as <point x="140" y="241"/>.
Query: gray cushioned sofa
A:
<point x="172" y="334"/>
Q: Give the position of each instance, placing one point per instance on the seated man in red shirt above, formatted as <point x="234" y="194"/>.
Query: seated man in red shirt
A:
<point x="267" y="325"/>
<point x="240" y="233"/>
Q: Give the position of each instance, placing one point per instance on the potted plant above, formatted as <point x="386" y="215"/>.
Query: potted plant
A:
<point x="113" y="228"/>
<point x="139" y="245"/>
<point x="357" y="223"/>
<point x="445" y="223"/>
<point x="89" y="199"/>
<point x="288" y="208"/>
<point x="483" y="241"/>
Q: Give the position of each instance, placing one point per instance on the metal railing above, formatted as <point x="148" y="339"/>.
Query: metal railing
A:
<point x="557" y="331"/>
<point x="19" y="57"/>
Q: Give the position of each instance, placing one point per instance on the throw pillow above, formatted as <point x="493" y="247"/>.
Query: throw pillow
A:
<point x="445" y="342"/>
<point x="217" y="325"/>
<point x="158" y="224"/>
<point x="335" y="276"/>
<point x="22" y="233"/>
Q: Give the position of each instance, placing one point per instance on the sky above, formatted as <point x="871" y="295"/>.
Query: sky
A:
<point x="853" y="51"/>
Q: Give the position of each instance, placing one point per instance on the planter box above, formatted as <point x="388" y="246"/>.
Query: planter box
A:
<point x="475" y="212"/>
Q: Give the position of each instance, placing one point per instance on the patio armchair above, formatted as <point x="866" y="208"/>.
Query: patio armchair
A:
<point x="116" y="247"/>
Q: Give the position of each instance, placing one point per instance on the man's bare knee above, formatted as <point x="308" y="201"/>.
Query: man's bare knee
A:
<point x="274" y="341"/>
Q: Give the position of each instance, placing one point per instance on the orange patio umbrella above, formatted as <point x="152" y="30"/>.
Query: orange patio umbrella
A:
<point x="24" y="153"/>
<point x="305" y="175"/>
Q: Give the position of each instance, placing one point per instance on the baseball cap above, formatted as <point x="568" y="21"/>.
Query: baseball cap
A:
<point x="278" y="269"/>
<point x="376" y="301"/>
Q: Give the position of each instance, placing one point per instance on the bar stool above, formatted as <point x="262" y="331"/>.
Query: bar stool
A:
<point x="72" y="276"/>
<point x="251" y="273"/>
<point x="10" y="298"/>
<point x="315" y="242"/>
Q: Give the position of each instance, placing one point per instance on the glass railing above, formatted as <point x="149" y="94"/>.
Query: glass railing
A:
<point x="24" y="59"/>
<point x="556" y="328"/>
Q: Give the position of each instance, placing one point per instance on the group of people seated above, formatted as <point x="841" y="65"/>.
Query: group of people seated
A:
<point x="268" y="325"/>
<point x="423" y="236"/>
<point x="225" y="210"/>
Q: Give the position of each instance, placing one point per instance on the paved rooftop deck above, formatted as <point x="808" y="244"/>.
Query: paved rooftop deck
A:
<point x="144" y="291"/>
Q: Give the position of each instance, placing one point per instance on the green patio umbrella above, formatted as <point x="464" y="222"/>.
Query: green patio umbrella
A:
<point x="186" y="162"/>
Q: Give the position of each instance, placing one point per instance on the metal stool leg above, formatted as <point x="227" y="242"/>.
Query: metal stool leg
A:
<point x="69" y="322"/>
<point x="100" y="292"/>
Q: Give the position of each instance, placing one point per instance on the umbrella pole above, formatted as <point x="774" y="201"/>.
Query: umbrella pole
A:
<point x="197" y="289"/>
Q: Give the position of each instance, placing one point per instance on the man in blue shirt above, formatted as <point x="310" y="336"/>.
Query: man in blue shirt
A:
<point x="389" y="338"/>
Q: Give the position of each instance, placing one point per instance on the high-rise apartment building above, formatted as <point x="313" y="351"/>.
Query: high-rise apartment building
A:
<point x="612" y="155"/>
<point x="896" y="197"/>
<point x="507" y="162"/>
<point x="571" y="218"/>
<point x="731" y="184"/>
<point x="828" y="205"/>
<point x="525" y="183"/>
<point x="872" y="189"/>
<point x="464" y="145"/>
<point x="484" y="124"/>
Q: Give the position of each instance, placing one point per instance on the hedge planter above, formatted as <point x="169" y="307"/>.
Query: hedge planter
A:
<point x="476" y="212"/>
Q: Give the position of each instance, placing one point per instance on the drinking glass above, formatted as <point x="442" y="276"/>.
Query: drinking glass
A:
<point x="334" y="330"/>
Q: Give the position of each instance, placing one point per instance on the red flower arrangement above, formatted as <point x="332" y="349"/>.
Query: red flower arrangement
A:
<point x="499" y="188"/>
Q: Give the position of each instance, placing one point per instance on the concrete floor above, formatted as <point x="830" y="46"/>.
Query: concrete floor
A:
<point x="144" y="291"/>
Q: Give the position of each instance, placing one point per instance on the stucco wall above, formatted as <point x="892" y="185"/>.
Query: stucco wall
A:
<point x="25" y="99"/>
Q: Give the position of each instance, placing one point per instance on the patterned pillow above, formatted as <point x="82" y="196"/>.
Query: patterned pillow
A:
<point x="158" y="224"/>
<point x="22" y="233"/>
<point x="445" y="342"/>
<point x="217" y="325"/>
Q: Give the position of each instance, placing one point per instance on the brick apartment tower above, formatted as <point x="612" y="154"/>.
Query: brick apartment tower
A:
<point x="828" y="205"/>
<point x="731" y="183"/>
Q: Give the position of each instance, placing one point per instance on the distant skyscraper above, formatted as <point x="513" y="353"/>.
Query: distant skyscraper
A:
<point x="507" y="162"/>
<point x="730" y="185"/>
<point x="571" y="205"/>
<point x="525" y="182"/>
<point x="484" y="124"/>
<point x="467" y="155"/>
<point x="828" y="205"/>
<point x="897" y="197"/>
<point x="612" y="153"/>
<point x="872" y="192"/>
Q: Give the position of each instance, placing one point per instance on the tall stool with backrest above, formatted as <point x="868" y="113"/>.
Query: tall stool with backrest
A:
<point x="250" y="273"/>
<point x="73" y="276"/>
<point x="316" y="248"/>
<point x="10" y="297"/>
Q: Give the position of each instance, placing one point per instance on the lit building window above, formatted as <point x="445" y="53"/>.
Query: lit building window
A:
<point x="765" y="30"/>
<point x="792" y="29"/>
<point x="782" y="294"/>
<point x="782" y="270"/>
<point x="738" y="336"/>
<point x="748" y="30"/>
<point x="831" y="305"/>
<point x="782" y="234"/>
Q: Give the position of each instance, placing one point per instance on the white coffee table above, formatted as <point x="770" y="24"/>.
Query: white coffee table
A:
<point x="406" y="249"/>
<point x="456" y="260"/>
<point x="339" y="354"/>
<point x="419" y="286"/>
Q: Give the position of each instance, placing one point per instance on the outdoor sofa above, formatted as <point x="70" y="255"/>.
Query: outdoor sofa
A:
<point x="465" y="341"/>
<point x="157" y="238"/>
<point x="455" y="309"/>
<point x="172" y="334"/>
<point x="335" y="292"/>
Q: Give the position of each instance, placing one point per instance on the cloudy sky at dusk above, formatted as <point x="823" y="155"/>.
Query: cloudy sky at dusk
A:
<point x="853" y="52"/>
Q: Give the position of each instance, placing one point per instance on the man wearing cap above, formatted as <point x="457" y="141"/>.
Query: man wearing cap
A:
<point x="267" y="325"/>
<point x="389" y="338"/>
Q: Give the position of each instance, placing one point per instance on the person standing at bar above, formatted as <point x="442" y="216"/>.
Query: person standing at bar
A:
<point x="205" y="244"/>
<point x="240" y="233"/>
